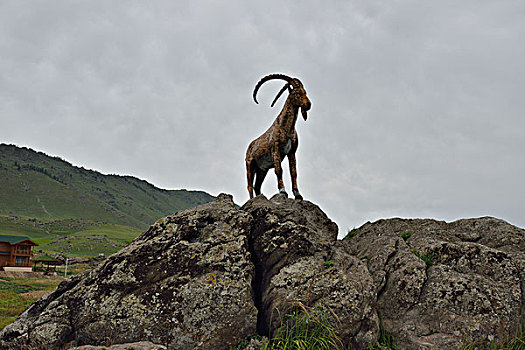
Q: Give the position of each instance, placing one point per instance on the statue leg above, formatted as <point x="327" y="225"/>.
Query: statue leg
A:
<point x="278" y="170"/>
<point x="259" y="178"/>
<point x="293" y="175"/>
<point x="250" y="174"/>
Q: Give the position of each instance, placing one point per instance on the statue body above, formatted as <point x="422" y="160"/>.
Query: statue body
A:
<point x="280" y="140"/>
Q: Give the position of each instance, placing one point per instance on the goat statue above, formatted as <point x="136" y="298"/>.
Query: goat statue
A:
<point x="280" y="140"/>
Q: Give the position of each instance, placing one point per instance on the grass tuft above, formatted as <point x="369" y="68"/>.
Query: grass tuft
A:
<point x="406" y="235"/>
<point x="243" y="343"/>
<point x="427" y="257"/>
<point x="351" y="234"/>
<point x="329" y="263"/>
<point x="305" y="328"/>
<point x="386" y="339"/>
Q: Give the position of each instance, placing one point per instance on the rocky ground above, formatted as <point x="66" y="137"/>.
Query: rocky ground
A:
<point x="206" y="277"/>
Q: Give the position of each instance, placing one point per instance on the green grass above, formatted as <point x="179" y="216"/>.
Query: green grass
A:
<point x="351" y="234"/>
<point x="70" y="237"/>
<point x="91" y="240"/>
<point x="13" y="301"/>
<point x="328" y="263"/>
<point x="19" y="227"/>
<point x="306" y="329"/>
<point x="406" y="235"/>
<point x="386" y="339"/>
<point x="427" y="257"/>
<point x="243" y="343"/>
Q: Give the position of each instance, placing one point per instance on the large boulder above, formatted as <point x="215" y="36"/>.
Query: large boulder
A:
<point x="300" y="263"/>
<point x="442" y="284"/>
<point x="184" y="283"/>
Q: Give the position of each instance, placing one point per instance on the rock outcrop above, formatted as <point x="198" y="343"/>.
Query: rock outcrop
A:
<point x="184" y="283"/>
<point x="298" y="258"/>
<point x="441" y="284"/>
<point x="206" y="277"/>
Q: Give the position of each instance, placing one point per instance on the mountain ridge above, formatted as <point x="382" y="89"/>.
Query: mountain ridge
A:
<point x="37" y="185"/>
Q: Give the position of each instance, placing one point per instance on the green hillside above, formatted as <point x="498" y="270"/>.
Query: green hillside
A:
<point x="75" y="211"/>
<point x="70" y="237"/>
<point x="35" y="185"/>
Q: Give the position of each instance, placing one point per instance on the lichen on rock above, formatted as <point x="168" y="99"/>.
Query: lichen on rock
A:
<point x="185" y="283"/>
<point x="290" y="244"/>
<point x="471" y="291"/>
<point x="206" y="277"/>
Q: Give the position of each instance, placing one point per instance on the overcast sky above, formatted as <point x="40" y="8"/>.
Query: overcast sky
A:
<point x="417" y="106"/>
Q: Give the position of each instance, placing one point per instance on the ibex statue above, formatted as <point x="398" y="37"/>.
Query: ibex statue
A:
<point x="280" y="140"/>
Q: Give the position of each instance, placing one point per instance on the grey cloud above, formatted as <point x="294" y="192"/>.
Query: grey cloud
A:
<point x="417" y="107"/>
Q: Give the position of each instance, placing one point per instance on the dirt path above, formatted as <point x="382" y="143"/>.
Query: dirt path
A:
<point x="43" y="206"/>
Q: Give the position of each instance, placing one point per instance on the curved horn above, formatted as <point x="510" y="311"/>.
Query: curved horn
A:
<point x="271" y="77"/>
<point x="283" y="89"/>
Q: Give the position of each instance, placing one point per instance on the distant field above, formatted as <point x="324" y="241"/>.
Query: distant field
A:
<point x="16" y="294"/>
<point x="70" y="237"/>
<point x="90" y="241"/>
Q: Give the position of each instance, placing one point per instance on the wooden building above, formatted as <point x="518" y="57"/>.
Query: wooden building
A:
<point x="16" y="252"/>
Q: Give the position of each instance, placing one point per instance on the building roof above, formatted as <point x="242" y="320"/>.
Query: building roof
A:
<point x="15" y="239"/>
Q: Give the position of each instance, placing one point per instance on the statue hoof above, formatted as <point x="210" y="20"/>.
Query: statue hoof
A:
<point x="298" y="196"/>
<point x="283" y="192"/>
